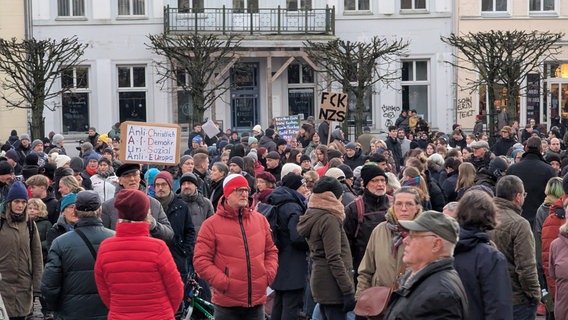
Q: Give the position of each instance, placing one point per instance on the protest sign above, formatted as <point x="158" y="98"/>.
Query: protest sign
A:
<point x="210" y="128"/>
<point x="287" y="127"/>
<point x="152" y="143"/>
<point x="333" y="106"/>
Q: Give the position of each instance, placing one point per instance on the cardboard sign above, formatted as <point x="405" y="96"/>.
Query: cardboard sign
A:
<point x="287" y="127"/>
<point x="333" y="106"/>
<point x="152" y="143"/>
<point x="210" y="128"/>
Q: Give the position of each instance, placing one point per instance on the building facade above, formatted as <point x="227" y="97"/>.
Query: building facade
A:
<point x="12" y="25"/>
<point x="545" y="93"/>
<point x="117" y="79"/>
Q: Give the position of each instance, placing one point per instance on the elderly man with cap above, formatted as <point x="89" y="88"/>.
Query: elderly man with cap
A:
<point x="68" y="282"/>
<point x="481" y="156"/>
<point x="432" y="287"/>
<point x="290" y="200"/>
<point x="235" y="254"/>
<point x="135" y="274"/>
<point x="200" y="208"/>
<point x="367" y="211"/>
<point x="21" y="262"/>
<point x="181" y="246"/>
<point x="129" y="178"/>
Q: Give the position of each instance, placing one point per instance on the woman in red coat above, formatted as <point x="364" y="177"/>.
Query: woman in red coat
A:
<point x="136" y="275"/>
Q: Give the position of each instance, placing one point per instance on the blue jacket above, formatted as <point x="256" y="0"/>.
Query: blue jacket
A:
<point x="292" y="248"/>
<point x="483" y="271"/>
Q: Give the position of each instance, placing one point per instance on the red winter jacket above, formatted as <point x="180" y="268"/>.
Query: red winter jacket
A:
<point x="136" y="275"/>
<point x="235" y="254"/>
<point x="550" y="231"/>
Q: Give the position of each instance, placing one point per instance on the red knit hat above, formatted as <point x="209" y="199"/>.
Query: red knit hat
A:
<point x="166" y="176"/>
<point x="232" y="182"/>
<point x="132" y="205"/>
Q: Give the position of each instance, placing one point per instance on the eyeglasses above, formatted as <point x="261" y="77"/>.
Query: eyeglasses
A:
<point x="160" y="185"/>
<point x="525" y="194"/>
<point x="414" y="236"/>
<point x="242" y="190"/>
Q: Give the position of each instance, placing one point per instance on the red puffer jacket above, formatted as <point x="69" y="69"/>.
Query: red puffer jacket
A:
<point x="136" y="275"/>
<point x="550" y="231"/>
<point x="235" y="254"/>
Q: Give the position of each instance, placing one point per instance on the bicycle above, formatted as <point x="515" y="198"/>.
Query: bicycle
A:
<point x="194" y="306"/>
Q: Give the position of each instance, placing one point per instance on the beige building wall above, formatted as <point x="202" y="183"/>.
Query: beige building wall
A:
<point x="11" y="25"/>
<point x="469" y="18"/>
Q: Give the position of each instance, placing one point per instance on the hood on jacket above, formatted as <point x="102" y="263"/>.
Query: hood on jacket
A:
<point x="307" y="221"/>
<point x="557" y="208"/>
<point x="469" y="239"/>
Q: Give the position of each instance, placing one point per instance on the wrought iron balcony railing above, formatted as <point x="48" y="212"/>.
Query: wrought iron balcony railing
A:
<point x="254" y="22"/>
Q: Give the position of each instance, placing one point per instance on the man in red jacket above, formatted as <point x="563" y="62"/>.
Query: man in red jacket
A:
<point x="235" y="254"/>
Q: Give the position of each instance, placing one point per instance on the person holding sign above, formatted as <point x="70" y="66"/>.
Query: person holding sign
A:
<point x="129" y="178"/>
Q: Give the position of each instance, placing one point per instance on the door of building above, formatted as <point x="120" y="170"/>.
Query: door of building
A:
<point x="557" y="98"/>
<point x="245" y="97"/>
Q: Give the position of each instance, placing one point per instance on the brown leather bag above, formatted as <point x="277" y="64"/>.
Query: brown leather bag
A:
<point x="373" y="301"/>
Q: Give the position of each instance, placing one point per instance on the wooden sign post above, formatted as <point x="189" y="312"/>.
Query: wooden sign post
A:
<point x="152" y="143"/>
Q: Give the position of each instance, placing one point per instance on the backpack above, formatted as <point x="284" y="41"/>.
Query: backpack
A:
<point x="361" y="212"/>
<point x="270" y="212"/>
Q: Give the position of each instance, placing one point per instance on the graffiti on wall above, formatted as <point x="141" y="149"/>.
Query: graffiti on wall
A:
<point x="390" y="113"/>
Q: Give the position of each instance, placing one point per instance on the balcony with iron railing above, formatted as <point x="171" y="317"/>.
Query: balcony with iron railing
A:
<point x="257" y="21"/>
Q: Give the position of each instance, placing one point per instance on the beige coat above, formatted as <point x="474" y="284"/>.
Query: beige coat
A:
<point x="379" y="267"/>
<point x="21" y="266"/>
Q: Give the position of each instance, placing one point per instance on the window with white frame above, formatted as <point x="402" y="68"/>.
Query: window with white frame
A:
<point x="541" y="5"/>
<point x="357" y="5"/>
<point x="301" y="90"/>
<point x="187" y="6"/>
<point x="245" y="6"/>
<point x="416" y="86"/>
<point x="412" y="4"/>
<point x="494" y="5"/>
<point x="70" y="8"/>
<point x="75" y="101"/>
<point x="132" y="93"/>
<point x="131" y="8"/>
<point x="295" y="5"/>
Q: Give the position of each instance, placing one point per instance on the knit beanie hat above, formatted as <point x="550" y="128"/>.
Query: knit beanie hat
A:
<point x="266" y="176"/>
<point x="257" y="128"/>
<point x="346" y="171"/>
<point x="293" y="181"/>
<point x="232" y="182"/>
<point x="269" y="132"/>
<point x="183" y="159"/>
<point x="36" y="142"/>
<point x="32" y="159"/>
<point x="12" y="154"/>
<point x="166" y="176"/>
<point x="25" y="136"/>
<point x="68" y="200"/>
<point x="189" y="176"/>
<point x="57" y="138"/>
<point x="17" y="191"/>
<point x="350" y="145"/>
<point x="6" y="168"/>
<point x="93" y="156"/>
<point x="515" y="152"/>
<point x="280" y="142"/>
<point x="305" y="157"/>
<point x="132" y="205"/>
<point x="369" y="171"/>
<point x="252" y="140"/>
<point x="328" y="184"/>
<point x="273" y="155"/>
<point x="61" y="160"/>
<point x="76" y="164"/>
<point x="105" y="160"/>
<point x="332" y="153"/>
<point x="252" y="154"/>
<point x="497" y="166"/>
<point x="150" y="175"/>
<point x="238" y="161"/>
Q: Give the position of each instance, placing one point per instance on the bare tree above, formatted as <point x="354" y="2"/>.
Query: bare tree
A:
<point x="30" y="68"/>
<point x="502" y="58"/>
<point x="358" y="66"/>
<point x="201" y="59"/>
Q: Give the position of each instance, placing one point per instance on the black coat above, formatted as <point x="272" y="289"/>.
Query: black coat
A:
<point x="292" y="248"/>
<point x="449" y="186"/>
<point x="484" y="275"/>
<point x="394" y="147"/>
<point x="68" y="282"/>
<point x="435" y="292"/>
<point x="183" y="242"/>
<point x="358" y="159"/>
<point x="535" y="173"/>
<point x="437" y="197"/>
<point x="501" y="147"/>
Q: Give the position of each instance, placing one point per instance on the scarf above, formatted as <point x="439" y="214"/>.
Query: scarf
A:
<point x="165" y="201"/>
<point x="90" y="171"/>
<point x="328" y="202"/>
<point x="398" y="233"/>
<point x="550" y="199"/>
<point x="106" y="174"/>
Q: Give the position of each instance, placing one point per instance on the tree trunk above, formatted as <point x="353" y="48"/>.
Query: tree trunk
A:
<point x="38" y="121"/>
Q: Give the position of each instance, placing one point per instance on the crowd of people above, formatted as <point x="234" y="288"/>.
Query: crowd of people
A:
<point x="461" y="225"/>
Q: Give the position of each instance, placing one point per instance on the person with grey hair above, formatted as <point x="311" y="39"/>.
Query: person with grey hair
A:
<point x="450" y="209"/>
<point x="431" y="287"/>
<point x="513" y="237"/>
<point x="68" y="282"/>
<point x="219" y="171"/>
<point x="58" y="141"/>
